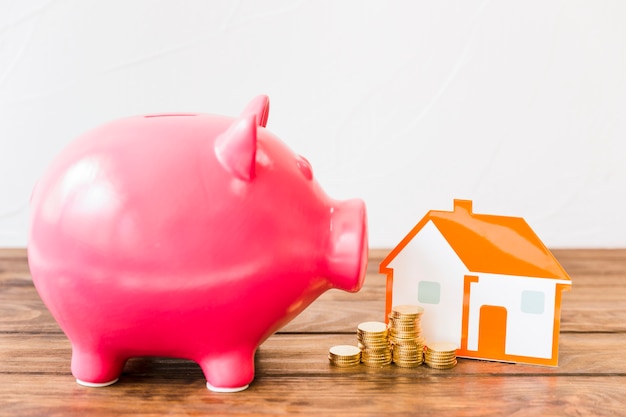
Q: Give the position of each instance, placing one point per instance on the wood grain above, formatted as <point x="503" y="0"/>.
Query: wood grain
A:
<point x="293" y="375"/>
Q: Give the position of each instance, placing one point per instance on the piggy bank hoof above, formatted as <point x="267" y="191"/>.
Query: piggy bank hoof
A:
<point x="96" y="384"/>
<point x="228" y="389"/>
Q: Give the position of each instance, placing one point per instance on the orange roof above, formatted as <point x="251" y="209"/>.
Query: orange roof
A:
<point x="489" y="243"/>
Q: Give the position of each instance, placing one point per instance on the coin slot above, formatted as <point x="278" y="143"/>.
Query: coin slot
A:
<point x="170" y="115"/>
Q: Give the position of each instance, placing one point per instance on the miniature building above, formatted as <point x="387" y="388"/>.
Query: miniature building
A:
<point x="486" y="282"/>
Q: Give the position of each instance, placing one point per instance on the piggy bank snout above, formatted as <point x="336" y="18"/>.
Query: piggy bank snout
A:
<point x="348" y="247"/>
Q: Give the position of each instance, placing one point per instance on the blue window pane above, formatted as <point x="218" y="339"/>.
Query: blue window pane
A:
<point x="533" y="302"/>
<point x="428" y="292"/>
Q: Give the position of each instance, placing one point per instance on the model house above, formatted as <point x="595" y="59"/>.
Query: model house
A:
<point x="486" y="282"/>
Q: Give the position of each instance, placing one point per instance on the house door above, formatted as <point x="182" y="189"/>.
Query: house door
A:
<point x="492" y="331"/>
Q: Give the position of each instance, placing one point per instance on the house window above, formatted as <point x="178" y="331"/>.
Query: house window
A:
<point x="533" y="302"/>
<point x="428" y="292"/>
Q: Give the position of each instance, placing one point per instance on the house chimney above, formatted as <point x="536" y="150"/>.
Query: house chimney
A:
<point x="463" y="204"/>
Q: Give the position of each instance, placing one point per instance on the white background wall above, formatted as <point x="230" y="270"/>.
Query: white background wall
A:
<point x="518" y="105"/>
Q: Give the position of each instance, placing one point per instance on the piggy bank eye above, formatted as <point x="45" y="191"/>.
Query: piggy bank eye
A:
<point x="305" y="167"/>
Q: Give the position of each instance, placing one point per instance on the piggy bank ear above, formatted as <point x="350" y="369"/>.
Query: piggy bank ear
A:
<point x="260" y="107"/>
<point x="236" y="148"/>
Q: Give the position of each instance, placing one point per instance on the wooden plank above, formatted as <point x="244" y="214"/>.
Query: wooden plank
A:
<point x="345" y="395"/>
<point x="595" y="262"/>
<point x="22" y="311"/>
<point x="12" y="253"/>
<point x="597" y="302"/>
<point x="304" y="355"/>
<point x="293" y="375"/>
<point x="593" y="310"/>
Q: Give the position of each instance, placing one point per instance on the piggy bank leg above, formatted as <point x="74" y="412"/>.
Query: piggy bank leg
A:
<point x="93" y="368"/>
<point x="229" y="372"/>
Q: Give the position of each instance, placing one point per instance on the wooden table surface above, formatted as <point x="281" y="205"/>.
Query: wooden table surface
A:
<point x="293" y="375"/>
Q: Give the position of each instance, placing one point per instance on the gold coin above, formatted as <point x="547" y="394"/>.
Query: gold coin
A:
<point x="404" y="333"/>
<point x="403" y="327"/>
<point x="336" y="359"/>
<point x="441" y="366"/>
<point x="406" y="355"/>
<point x="442" y="347"/>
<point x="412" y="350"/>
<point x="345" y="350"/>
<point x="372" y="359"/>
<point x="384" y="345"/>
<point x="379" y="354"/>
<point x="397" y="319"/>
<point x="372" y="335"/>
<point x="395" y="324"/>
<point x="408" y="344"/>
<point x="407" y="359"/>
<point x="376" y="365"/>
<point x="408" y="364"/>
<point x="440" y="361"/>
<point x="344" y="364"/>
<point x="407" y="352"/>
<point x="439" y="355"/>
<point x="411" y="356"/>
<point x="375" y="358"/>
<point x="405" y="330"/>
<point x="372" y="327"/>
<point x="375" y="350"/>
<point x="408" y="347"/>
<point x="412" y="346"/>
<point x="376" y="346"/>
<point x="407" y="310"/>
<point x="369" y="338"/>
<point x="413" y="353"/>
<point x="344" y="355"/>
<point x="366" y="355"/>
<point x="367" y="341"/>
<point x="405" y="337"/>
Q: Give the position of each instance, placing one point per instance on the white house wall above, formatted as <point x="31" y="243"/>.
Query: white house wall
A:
<point x="528" y="334"/>
<point x="429" y="257"/>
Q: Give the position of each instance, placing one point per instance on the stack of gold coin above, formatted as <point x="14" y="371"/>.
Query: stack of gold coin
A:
<point x="406" y="338"/>
<point x="374" y="343"/>
<point x="344" y="355"/>
<point x="440" y="355"/>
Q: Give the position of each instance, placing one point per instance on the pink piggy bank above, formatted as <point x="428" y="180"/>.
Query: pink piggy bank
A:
<point x="192" y="236"/>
